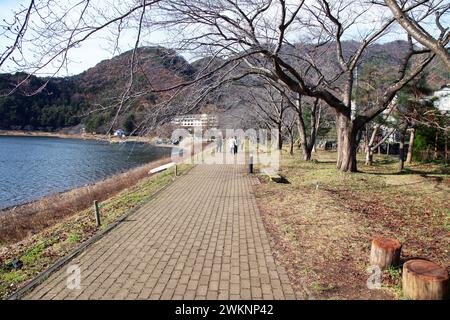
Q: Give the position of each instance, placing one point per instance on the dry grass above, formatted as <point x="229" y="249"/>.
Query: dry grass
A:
<point x="23" y="221"/>
<point x="322" y="221"/>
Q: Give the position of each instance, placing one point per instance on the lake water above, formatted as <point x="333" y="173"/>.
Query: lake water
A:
<point x="32" y="167"/>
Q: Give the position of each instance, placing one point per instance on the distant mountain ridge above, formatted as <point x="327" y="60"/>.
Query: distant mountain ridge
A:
<point x="64" y="101"/>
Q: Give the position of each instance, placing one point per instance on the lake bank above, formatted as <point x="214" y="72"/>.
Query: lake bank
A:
<point x="84" y="136"/>
<point x="18" y="222"/>
<point x="62" y="135"/>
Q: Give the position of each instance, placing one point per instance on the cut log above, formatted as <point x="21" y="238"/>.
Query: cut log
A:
<point x="424" y="280"/>
<point x="385" y="252"/>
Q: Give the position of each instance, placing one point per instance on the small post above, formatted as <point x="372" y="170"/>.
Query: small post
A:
<point x="176" y="170"/>
<point x="97" y="213"/>
<point x="250" y="164"/>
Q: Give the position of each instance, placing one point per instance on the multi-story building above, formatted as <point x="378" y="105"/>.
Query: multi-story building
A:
<point x="203" y="120"/>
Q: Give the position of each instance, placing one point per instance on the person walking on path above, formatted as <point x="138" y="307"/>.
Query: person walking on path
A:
<point x="236" y="145"/>
<point x="232" y="145"/>
<point x="219" y="144"/>
<point x="239" y="144"/>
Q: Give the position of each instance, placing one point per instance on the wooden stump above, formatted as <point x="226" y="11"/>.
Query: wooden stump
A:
<point x="424" y="280"/>
<point x="385" y="252"/>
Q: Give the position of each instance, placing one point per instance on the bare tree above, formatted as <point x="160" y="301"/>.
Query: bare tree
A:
<point x="300" y="45"/>
<point x="372" y="144"/>
<point x="412" y="24"/>
<point x="401" y="152"/>
<point x="314" y="109"/>
<point x="415" y="109"/>
<point x="290" y="128"/>
<point x="260" y="33"/>
<point x="304" y="108"/>
<point x="270" y="106"/>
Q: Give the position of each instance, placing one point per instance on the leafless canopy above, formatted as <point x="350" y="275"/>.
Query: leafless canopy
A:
<point x="417" y="22"/>
<point x="310" y="47"/>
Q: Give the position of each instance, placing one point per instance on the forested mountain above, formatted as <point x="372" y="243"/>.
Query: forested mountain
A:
<point x="66" y="102"/>
<point x="70" y="101"/>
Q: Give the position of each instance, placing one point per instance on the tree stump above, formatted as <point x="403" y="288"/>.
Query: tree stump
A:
<point x="385" y="252"/>
<point x="424" y="280"/>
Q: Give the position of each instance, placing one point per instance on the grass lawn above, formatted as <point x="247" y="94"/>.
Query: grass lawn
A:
<point x="322" y="221"/>
<point x="43" y="249"/>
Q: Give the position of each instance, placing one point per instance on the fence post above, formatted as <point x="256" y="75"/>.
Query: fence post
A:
<point x="250" y="164"/>
<point x="176" y="170"/>
<point x="97" y="213"/>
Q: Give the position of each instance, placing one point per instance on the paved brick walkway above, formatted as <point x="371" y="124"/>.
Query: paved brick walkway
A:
<point x="201" y="238"/>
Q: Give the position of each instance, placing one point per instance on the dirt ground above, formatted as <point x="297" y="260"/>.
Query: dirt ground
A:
<point x="322" y="222"/>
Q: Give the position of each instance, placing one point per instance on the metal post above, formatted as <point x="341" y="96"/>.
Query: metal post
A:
<point x="176" y="170"/>
<point x="97" y="213"/>
<point x="250" y="164"/>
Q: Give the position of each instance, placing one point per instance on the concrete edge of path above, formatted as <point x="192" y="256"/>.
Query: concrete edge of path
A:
<point x="41" y="277"/>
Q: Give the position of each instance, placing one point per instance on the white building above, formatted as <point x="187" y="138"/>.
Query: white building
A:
<point x="203" y="120"/>
<point x="119" y="133"/>
<point x="442" y="97"/>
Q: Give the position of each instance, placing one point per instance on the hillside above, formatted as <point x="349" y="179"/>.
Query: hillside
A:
<point x="66" y="101"/>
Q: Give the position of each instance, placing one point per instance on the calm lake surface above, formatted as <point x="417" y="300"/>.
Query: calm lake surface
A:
<point x="32" y="167"/>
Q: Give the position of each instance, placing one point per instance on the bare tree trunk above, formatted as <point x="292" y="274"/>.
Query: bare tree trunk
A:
<point x="371" y="148"/>
<point x="347" y="144"/>
<point x="306" y="154"/>
<point x="339" y="133"/>
<point x="291" y="149"/>
<point x="303" y="145"/>
<point x="369" y="145"/>
<point x="446" y="147"/>
<point x="369" y="156"/>
<point x="412" y="135"/>
<point x="303" y="141"/>
<point x="315" y="125"/>
<point x="401" y="154"/>
<point x="436" y="140"/>
<point x="280" y="136"/>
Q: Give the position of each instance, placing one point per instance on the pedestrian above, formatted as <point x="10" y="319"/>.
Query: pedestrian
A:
<point x="219" y="144"/>
<point x="235" y="145"/>
<point x="232" y="143"/>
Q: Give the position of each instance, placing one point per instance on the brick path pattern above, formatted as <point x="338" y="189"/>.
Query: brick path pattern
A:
<point x="200" y="238"/>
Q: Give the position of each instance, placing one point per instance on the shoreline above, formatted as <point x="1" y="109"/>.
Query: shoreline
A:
<point x="22" y="133"/>
<point x="76" y="199"/>
<point x="85" y="136"/>
<point x="63" y="193"/>
<point x="138" y="173"/>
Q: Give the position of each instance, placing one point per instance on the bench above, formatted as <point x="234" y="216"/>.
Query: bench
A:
<point x="162" y="168"/>
<point x="272" y="174"/>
